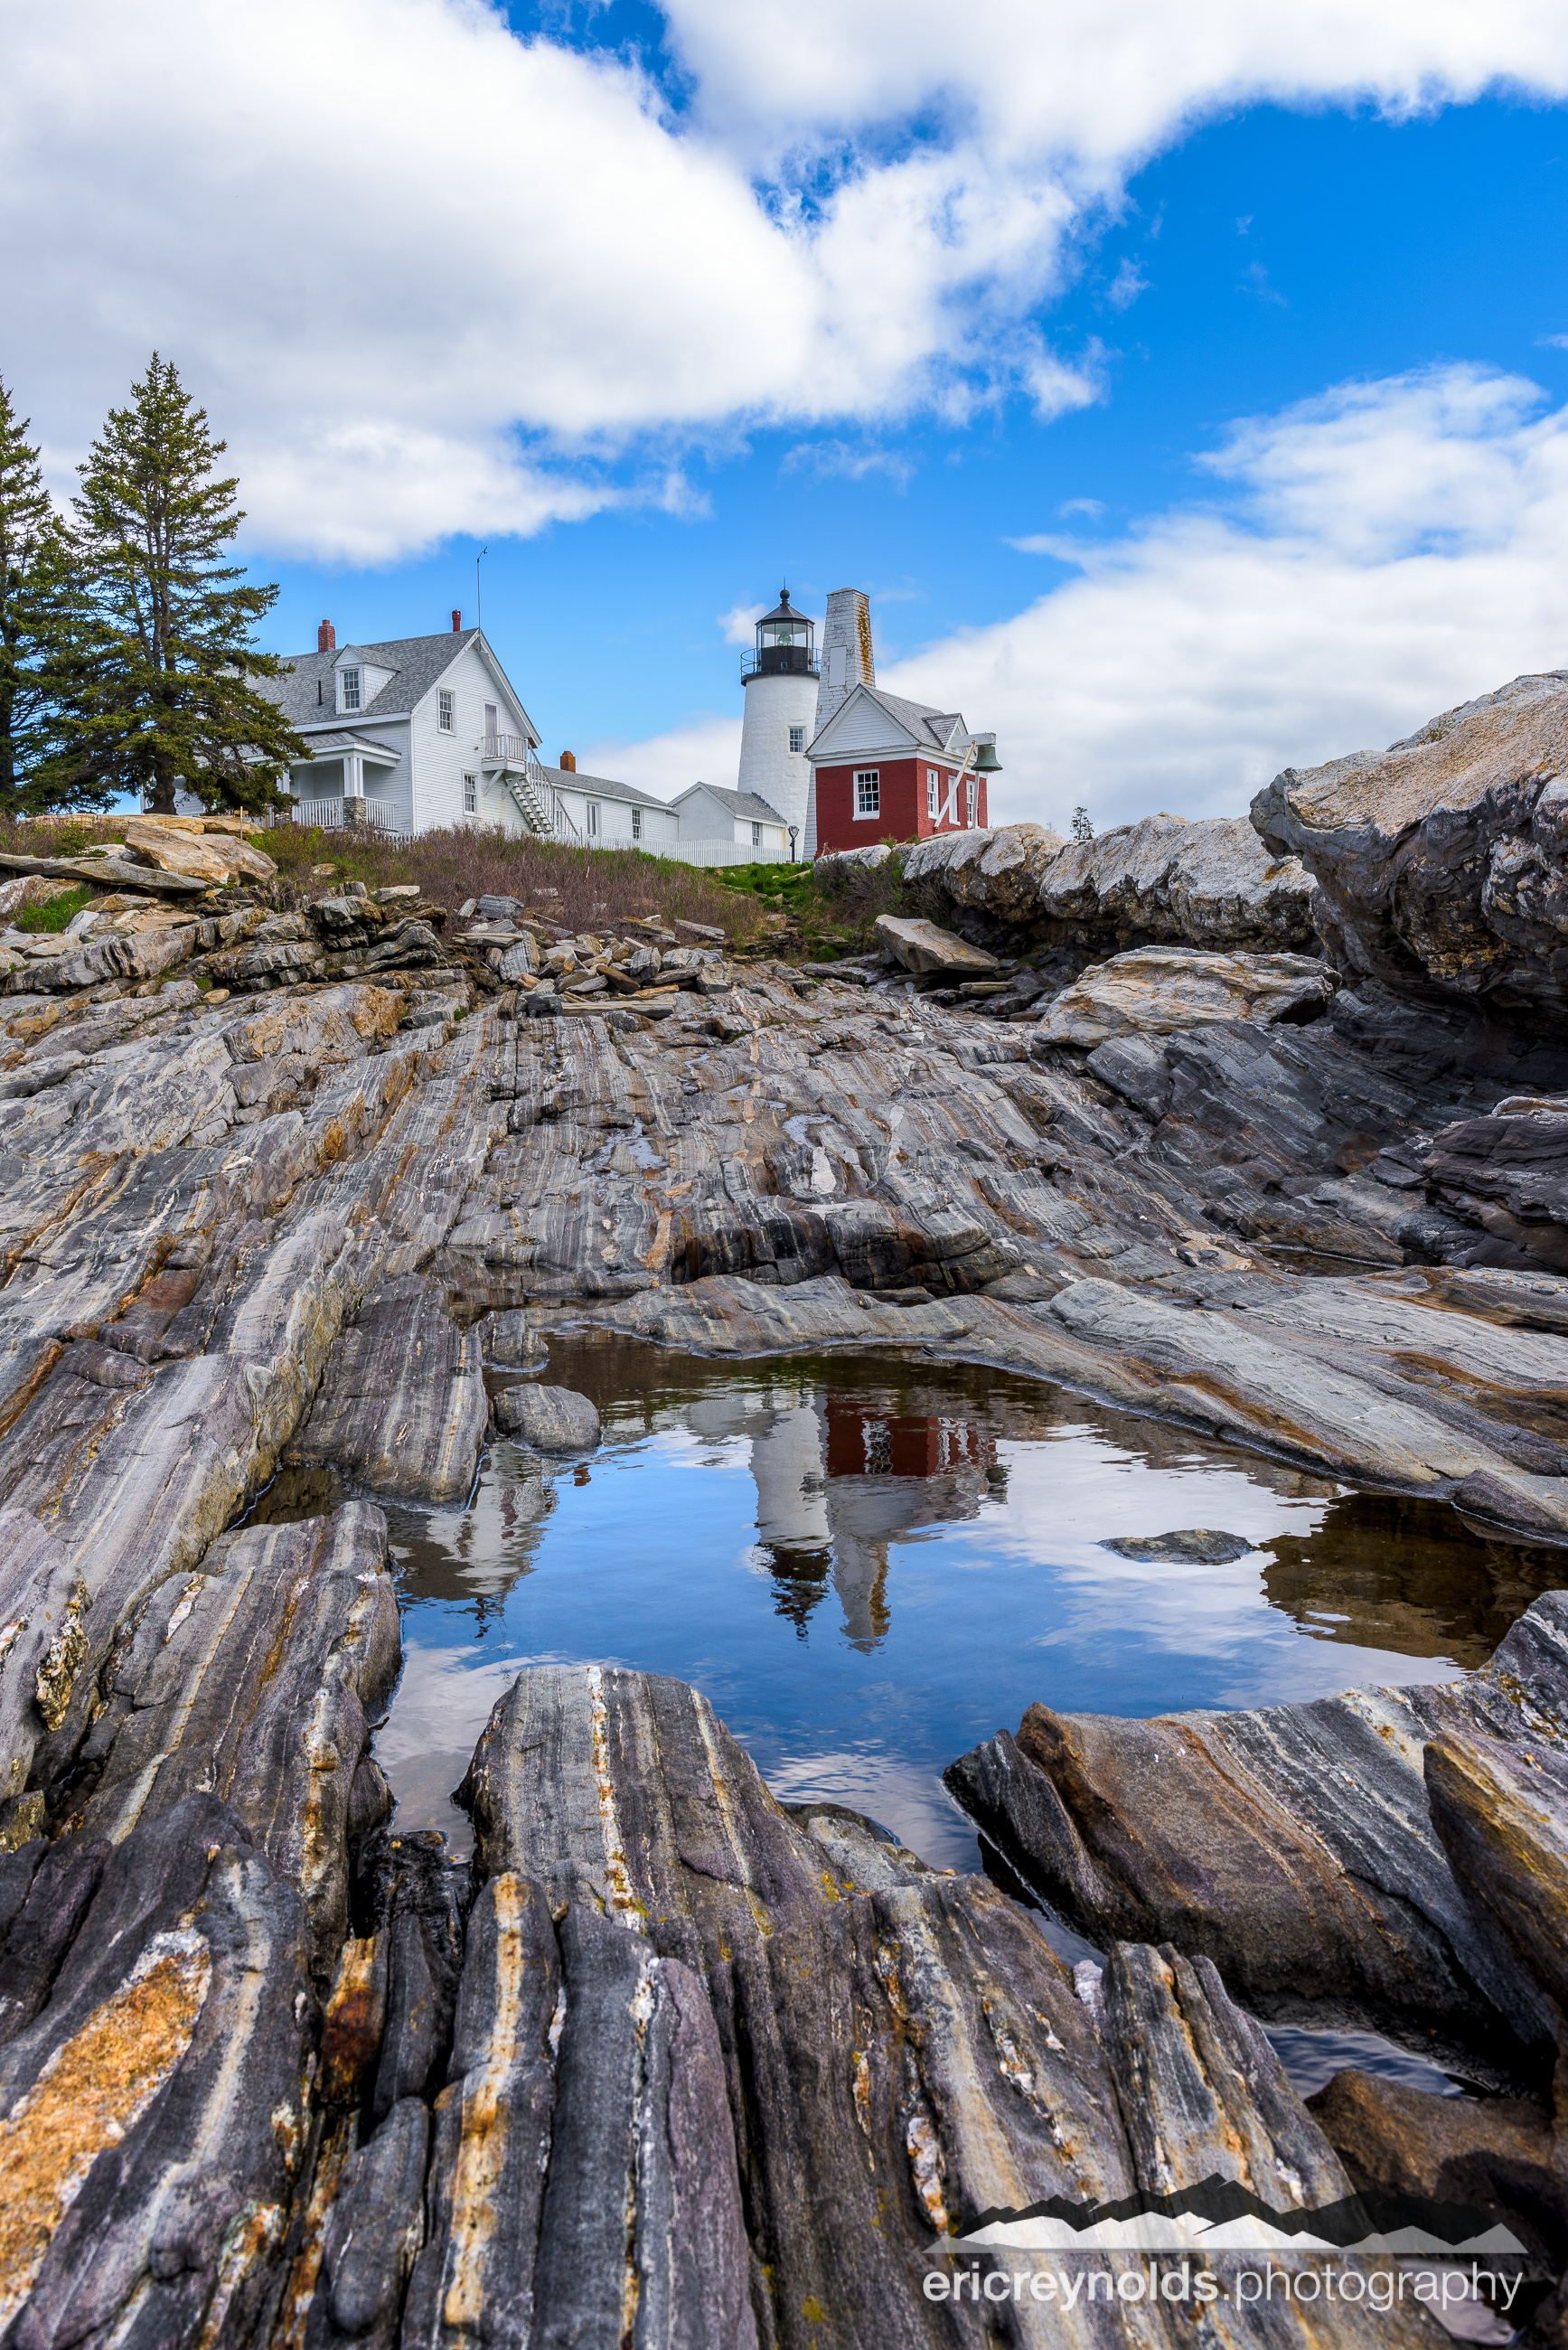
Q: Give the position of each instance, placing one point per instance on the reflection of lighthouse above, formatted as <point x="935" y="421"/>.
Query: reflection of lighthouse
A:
<point x="780" y="678"/>
<point x="889" y="1473"/>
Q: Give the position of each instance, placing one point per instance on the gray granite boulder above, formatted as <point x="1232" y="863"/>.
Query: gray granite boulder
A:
<point x="551" y="1419"/>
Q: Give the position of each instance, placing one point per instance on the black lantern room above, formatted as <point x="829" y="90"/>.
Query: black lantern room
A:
<point x="786" y="643"/>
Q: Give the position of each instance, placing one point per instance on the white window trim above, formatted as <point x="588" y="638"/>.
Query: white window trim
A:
<point x="972" y="800"/>
<point x="934" y="794"/>
<point x="471" y="794"/>
<point x="873" y="776"/>
<point x="795" y="746"/>
<point x="351" y="679"/>
<point x="446" y="723"/>
<point x="593" y="808"/>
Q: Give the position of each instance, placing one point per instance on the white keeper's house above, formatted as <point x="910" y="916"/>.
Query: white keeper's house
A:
<point x="430" y="731"/>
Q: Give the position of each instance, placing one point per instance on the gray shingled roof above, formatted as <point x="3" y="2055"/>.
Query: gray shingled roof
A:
<point x="927" y="725"/>
<point x="600" y="788"/>
<point x="416" y="663"/>
<point x="330" y="744"/>
<point x="739" y="802"/>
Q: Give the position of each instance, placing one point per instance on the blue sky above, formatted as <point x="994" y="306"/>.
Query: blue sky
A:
<point x="1174" y="435"/>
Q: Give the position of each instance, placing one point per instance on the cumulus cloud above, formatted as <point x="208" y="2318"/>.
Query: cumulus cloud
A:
<point x="431" y="276"/>
<point x="1359" y="563"/>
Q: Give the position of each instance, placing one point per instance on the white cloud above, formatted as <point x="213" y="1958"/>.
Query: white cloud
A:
<point x="844" y="461"/>
<point x="1367" y="560"/>
<point x="1125" y="286"/>
<point x="739" y="623"/>
<point x="704" y="748"/>
<point x="429" y="276"/>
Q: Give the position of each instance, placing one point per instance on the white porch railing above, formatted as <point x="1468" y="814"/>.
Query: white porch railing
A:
<point x="506" y="751"/>
<point x="348" y="816"/>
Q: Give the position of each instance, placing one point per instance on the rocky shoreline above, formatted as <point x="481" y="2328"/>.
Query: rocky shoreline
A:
<point x="667" y="2061"/>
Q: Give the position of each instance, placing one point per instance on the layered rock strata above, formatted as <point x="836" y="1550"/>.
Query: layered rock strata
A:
<point x="1441" y="861"/>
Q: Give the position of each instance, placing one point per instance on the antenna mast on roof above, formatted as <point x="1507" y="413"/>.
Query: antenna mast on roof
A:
<point x="478" y="598"/>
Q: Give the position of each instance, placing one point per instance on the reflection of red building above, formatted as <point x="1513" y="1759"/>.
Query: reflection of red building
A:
<point x="863" y="1441"/>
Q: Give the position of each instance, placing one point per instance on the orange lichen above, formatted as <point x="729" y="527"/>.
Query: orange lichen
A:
<point x="93" y="2090"/>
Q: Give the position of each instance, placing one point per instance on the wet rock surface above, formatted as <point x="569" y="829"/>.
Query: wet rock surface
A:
<point x="273" y="2075"/>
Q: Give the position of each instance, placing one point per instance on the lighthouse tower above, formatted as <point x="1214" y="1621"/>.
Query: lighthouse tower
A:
<point x="780" y="678"/>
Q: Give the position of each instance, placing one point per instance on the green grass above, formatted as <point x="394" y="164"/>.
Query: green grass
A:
<point x="55" y="915"/>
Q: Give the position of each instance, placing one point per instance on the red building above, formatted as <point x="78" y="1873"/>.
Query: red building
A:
<point x="884" y="768"/>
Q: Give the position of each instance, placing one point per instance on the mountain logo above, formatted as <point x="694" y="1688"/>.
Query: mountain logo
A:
<point x="1219" y="2214"/>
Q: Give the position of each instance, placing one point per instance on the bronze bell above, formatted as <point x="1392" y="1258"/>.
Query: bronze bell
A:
<point x="986" y="762"/>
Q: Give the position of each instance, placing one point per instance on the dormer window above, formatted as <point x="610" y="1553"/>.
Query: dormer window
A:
<point x="350" y="688"/>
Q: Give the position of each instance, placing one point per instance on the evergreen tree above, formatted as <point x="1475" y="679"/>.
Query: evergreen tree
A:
<point x="1082" y="829"/>
<point x="169" y="697"/>
<point x="40" y="622"/>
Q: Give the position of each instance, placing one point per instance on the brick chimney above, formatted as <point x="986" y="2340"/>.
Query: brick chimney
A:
<point x="457" y="624"/>
<point x="327" y="637"/>
<point x="569" y="764"/>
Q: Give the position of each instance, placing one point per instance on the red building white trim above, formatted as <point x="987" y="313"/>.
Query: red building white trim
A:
<point x="882" y="768"/>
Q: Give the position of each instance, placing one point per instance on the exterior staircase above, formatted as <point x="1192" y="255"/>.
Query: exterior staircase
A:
<point x="532" y="802"/>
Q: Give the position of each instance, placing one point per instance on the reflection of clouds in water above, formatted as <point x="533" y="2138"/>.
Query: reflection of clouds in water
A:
<point x="1067" y="1496"/>
<point x="911" y="1801"/>
<point x="443" y="1702"/>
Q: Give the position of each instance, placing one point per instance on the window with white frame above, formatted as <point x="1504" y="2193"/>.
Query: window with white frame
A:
<point x="443" y="715"/>
<point x="593" y="816"/>
<point x="637" y="824"/>
<point x="973" y="790"/>
<point x="797" y="738"/>
<point x="756" y="835"/>
<point x="350" y="688"/>
<point x="867" y="791"/>
<point x="471" y="794"/>
<point x="933" y="793"/>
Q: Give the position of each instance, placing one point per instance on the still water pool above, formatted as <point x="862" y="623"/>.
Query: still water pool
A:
<point x="869" y="1565"/>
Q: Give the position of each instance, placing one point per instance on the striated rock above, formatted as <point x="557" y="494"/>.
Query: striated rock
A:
<point x="1210" y="884"/>
<point x="155" y="2039"/>
<point x="1151" y="991"/>
<point x="551" y="1419"/>
<point x="925" y="946"/>
<point x="200" y="855"/>
<point x="509" y="1338"/>
<point x="402" y="1407"/>
<point x="1501" y="1811"/>
<point x="257" y="1679"/>
<point x="43" y="1647"/>
<point x="1204" y="1544"/>
<point x="1294" y="1846"/>
<point x="1441" y="859"/>
<point x="1508" y="1173"/>
<point x="1498" y="2154"/>
<point x="105" y="870"/>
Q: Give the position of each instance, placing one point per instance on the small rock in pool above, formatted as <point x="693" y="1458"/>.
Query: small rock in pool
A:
<point x="1204" y="1545"/>
<point x="507" y="1338"/>
<point x="552" y="1420"/>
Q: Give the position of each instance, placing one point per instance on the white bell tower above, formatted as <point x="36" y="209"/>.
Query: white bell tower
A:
<point x="780" y="678"/>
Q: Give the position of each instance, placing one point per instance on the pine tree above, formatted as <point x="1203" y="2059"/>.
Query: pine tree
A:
<point x="40" y="617"/>
<point x="169" y="699"/>
<point x="1082" y="829"/>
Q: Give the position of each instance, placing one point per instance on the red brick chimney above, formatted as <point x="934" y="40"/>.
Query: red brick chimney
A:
<point x="327" y="637"/>
<point x="569" y="764"/>
<point x="457" y="624"/>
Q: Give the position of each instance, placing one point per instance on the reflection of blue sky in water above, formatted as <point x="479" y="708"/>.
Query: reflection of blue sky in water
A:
<point x="758" y="1532"/>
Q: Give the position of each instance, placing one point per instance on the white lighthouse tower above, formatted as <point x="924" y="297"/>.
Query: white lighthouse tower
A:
<point x="780" y="678"/>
